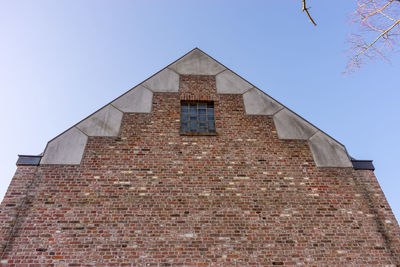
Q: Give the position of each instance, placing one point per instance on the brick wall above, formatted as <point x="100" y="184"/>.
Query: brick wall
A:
<point x="14" y="203"/>
<point x="243" y="197"/>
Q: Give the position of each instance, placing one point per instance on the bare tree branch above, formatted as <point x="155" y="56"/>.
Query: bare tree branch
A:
<point x="308" y="13"/>
<point x="377" y="38"/>
<point x="378" y="25"/>
<point x="379" y="30"/>
<point x="376" y="11"/>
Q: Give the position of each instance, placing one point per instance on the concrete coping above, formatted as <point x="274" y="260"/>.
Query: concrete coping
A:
<point x="68" y="148"/>
<point x="197" y="62"/>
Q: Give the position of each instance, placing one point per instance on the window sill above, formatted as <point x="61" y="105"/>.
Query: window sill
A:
<point x="197" y="134"/>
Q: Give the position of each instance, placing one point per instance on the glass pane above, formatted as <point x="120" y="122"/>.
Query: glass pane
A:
<point x="197" y="117"/>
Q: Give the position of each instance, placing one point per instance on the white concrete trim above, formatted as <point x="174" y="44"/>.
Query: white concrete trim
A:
<point x="291" y="126"/>
<point x="116" y="108"/>
<point x="67" y="148"/>
<point x="250" y="89"/>
<point x="172" y="70"/>
<point x="137" y="100"/>
<point x="327" y="152"/>
<point x="198" y="63"/>
<point x="257" y="102"/>
<point x="104" y="122"/>
<point x="166" y="81"/>
<point x="230" y="83"/>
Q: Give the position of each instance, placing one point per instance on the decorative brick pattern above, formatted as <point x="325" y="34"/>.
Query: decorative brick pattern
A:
<point x="151" y="197"/>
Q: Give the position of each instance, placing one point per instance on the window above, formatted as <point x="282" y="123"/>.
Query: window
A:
<point x="197" y="117"/>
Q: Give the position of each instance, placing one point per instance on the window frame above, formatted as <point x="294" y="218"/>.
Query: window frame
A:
<point x="203" y="109"/>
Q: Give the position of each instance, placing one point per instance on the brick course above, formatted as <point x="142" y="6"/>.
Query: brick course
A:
<point x="154" y="197"/>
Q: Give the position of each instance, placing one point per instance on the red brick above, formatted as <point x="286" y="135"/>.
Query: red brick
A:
<point x="231" y="205"/>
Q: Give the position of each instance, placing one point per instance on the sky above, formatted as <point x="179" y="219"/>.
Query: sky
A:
<point x="62" y="60"/>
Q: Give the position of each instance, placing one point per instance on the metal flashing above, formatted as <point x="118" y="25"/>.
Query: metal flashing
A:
<point x="363" y="164"/>
<point x="28" y="160"/>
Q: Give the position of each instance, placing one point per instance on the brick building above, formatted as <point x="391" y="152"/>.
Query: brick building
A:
<point x="196" y="167"/>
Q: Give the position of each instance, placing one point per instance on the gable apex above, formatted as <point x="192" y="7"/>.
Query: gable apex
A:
<point x="326" y="151"/>
<point x="197" y="62"/>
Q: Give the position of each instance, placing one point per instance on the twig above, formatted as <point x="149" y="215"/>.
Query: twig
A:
<point x="377" y="38"/>
<point x="308" y="13"/>
<point x="380" y="10"/>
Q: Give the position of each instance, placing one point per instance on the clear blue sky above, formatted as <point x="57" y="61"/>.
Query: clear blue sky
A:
<point x="62" y="60"/>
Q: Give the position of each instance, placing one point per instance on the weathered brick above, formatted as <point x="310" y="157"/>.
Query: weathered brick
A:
<point x="154" y="197"/>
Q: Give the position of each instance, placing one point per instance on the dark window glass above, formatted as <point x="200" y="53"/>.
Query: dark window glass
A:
<point x="197" y="117"/>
